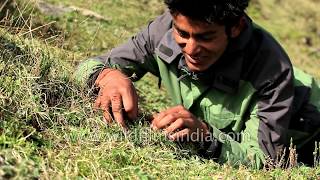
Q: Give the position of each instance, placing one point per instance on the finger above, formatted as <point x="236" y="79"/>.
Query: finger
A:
<point x="157" y="117"/>
<point x="100" y="77"/>
<point x="105" y="103"/>
<point x="178" y="124"/>
<point x="165" y="121"/>
<point x="180" y="135"/>
<point x="105" y="106"/>
<point x="97" y="103"/>
<point x="116" y="104"/>
<point x="130" y="103"/>
<point x="175" y="109"/>
<point x="107" y="117"/>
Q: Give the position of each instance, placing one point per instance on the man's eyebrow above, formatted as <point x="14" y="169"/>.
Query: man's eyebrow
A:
<point x="206" y="33"/>
<point x="177" y="27"/>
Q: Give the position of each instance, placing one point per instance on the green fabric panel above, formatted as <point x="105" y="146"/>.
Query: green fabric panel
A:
<point x="169" y="78"/>
<point x="250" y="140"/>
<point x="242" y="102"/>
<point x="301" y="78"/>
<point x="187" y="94"/>
<point x="85" y="70"/>
<point x="315" y="93"/>
<point x="191" y="90"/>
<point x="221" y="109"/>
<point x="304" y="79"/>
<point x="247" y="151"/>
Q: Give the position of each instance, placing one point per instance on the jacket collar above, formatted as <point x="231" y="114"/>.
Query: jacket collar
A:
<point x="225" y="74"/>
<point x="168" y="50"/>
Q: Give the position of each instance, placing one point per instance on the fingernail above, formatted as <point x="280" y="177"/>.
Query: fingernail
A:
<point x="106" y="121"/>
<point x="125" y="131"/>
<point x="154" y="116"/>
<point x="153" y="127"/>
<point x="165" y="132"/>
<point x="170" y="137"/>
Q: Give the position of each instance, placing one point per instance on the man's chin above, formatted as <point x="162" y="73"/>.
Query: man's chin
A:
<point x="196" y="67"/>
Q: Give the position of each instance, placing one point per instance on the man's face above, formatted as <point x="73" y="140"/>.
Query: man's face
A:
<point x="201" y="43"/>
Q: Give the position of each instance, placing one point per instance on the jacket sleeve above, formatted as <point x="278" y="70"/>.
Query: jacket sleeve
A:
<point x="265" y="129"/>
<point x="274" y="110"/>
<point x="134" y="58"/>
<point x="263" y="135"/>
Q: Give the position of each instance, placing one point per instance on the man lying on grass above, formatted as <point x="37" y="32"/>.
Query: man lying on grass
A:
<point x="229" y="79"/>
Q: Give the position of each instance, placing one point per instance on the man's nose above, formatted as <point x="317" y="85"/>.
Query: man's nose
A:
<point x="192" y="48"/>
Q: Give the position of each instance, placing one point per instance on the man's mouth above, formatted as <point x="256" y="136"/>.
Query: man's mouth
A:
<point x="194" y="59"/>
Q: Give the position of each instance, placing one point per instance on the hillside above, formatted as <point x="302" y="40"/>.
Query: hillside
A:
<point x="48" y="129"/>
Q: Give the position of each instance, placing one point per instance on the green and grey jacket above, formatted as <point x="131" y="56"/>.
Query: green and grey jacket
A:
<point x="250" y="97"/>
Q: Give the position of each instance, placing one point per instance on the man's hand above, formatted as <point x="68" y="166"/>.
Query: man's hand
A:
<point x="180" y="124"/>
<point x="117" y="92"/>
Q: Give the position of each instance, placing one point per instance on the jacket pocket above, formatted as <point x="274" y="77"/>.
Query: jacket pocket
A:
<point x="216" y="114"/>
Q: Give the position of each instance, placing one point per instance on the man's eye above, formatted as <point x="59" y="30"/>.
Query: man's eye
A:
<point x="183" y="34"/>
<point x="205" y="38"/>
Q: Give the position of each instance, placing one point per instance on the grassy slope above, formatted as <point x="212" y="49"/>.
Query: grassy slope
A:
<point x="48" y="128"/>
<point x="296" y="25"/>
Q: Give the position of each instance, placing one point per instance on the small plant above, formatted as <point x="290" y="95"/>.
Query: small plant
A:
<point x="284" y="159"/>
<point x="316" y="154"/>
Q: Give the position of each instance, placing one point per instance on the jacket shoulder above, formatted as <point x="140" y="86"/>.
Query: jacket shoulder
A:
<point x="267" y="61"/>
<point x="159" y="27"/>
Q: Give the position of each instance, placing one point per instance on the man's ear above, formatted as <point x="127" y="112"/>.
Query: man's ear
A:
<point x="237" y="28"/>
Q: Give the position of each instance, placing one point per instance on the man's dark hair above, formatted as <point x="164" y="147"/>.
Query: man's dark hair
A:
<point x="224" y="12"/>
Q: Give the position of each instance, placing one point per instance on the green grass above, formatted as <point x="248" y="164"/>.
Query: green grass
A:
<point x="292" y="22"/>
<point x="48" y="129"/>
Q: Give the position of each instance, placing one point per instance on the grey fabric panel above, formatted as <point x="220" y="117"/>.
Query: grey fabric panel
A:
<point x="139" y="50"/>
<point x="306" y="116"/>
<point x="168" y="49"/>
<point x="274" y="111"/>
<point x="271" y="73"/>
